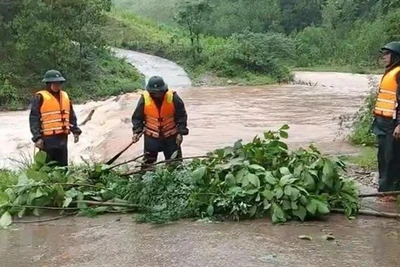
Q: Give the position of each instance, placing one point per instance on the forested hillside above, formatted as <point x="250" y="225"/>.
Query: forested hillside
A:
<point x="329" y="33"/>
<point x="64" y="34"/>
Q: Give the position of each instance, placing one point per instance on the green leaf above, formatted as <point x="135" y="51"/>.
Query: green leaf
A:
<point x="301" y="212"/>
<point x="266" y="204"/>
<point x="230" y="179"/>
<point x="238" y="144"/>
<point x="294" y="205"/>
<point x="312" y="207"/>
<point x="67" y="201"/>
<point x="199" y="173"/>
<point x="309" y="182"/>
<point x="253" y="179"/>
<point x="295" y="194"/>
<point x="256" y="167"/>
<point x="235" y="190"/>
<point x="268" y="194"/>
<point x="304" y="200"/>
<point x="40" y="193"/>
<point x="285" y="171"/>
<point x="269" y="177"/>
<point x="241" y="174"/>
<point x="210" y="210"/>
<point x="251" y="191"/>
<point x="278" y="192"/>
<point x="40" y="158"/>
<point x="283" y="134"/>
<point x="253" y="210"/>
<point x="23" y="179"/>
<point x="322" y="207"/>
<point x="4" y="199"/>
<point x="285" y="180"/>
<point x="32" y="197"/>
<point x="285" y="127"/>
<point x="175" y="154"/>
<point x="5" y="220"/>
<point x="288" y="190"/>
<point x="278" y="215"/>
<point x="286" y="205"/>
<point x="21" y="213"/>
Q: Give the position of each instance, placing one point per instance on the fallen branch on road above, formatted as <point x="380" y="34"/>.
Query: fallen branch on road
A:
<point x="381" y="194"/>
<point x="372" y="213"/>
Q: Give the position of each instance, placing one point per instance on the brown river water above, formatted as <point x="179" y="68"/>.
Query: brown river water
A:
<point x="217" y="117"/>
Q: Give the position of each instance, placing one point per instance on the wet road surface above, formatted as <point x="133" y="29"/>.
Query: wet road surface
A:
<point x="116" y="241"/>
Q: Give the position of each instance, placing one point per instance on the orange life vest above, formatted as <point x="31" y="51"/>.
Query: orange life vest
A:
<point x="160" y="122"/>
<point x="54" y="114"/>
<point x="386" y="102"/>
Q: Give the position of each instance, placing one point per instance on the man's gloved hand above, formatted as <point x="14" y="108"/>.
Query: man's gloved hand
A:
<point x="179" y="139"/>
<point x="39" y="143"/>
<point x="76" y="138"/>
<point x="136" y="137"/>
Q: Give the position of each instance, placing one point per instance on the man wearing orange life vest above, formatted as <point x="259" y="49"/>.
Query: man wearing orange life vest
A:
<point x="386" y="125"/>
<point x="161" y="115"/>
<point x="52" y="119"/>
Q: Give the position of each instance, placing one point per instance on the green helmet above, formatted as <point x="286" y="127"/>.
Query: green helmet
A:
<point x="156" y="84"/>
<point x="392" y="46"/>
<point x="53" y="76"/>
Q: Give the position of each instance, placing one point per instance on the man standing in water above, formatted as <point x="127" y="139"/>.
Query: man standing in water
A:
<point x="386" y="124"/>
<point x="161" y="115"/>
<point x="52" y="119"/>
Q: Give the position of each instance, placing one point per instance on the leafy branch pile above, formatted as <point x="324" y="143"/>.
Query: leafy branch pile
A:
<point x="257" y="179"/>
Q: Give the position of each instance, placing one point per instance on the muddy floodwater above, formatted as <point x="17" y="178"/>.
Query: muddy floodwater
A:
<point x="217" y="117"/>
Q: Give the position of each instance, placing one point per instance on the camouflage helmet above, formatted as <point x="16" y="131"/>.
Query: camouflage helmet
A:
<point x="156" y="84"/>
<point x="53" y="76"/>
<point x="392" y="46"/>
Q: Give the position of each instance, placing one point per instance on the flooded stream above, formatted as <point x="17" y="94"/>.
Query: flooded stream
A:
<point x="217" y="116"/>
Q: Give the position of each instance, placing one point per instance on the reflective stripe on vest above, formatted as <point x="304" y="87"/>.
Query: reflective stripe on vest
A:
<point x="54" y="114"/>
<point x="386" y="102"/>
<point x="160" y="123"/>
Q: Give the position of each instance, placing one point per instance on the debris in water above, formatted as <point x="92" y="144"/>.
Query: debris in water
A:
<point x="305" y="237"/>
<point x="328" y="237"/>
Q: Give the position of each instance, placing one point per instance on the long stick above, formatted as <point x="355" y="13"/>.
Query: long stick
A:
<point x="120" y="153"/>
<point x="112" y="204"/>
<point x="88" y="118"/>
<point x="373" y="213"/>
<point x="47" y="220"/>
<point x="126" y="162"/>
<point x="381" y="194"/>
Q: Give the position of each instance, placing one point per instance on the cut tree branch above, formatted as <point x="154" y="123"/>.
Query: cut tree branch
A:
<point x="381" y="194"/>
<point x="372" y="213"/>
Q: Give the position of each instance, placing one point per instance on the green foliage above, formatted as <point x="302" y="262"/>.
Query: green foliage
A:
<point x="362" y="123"/>
<point x="65" y="35"/>
<point x="260" y="53"/>
<point x="192" y="16"/>
<point x="257" y="179"/>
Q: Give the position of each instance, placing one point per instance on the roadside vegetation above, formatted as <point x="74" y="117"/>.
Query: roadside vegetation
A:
<point x="64" y="35"/>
